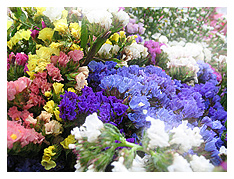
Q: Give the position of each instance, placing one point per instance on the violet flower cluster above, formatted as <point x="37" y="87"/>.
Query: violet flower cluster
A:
<point x="109" y="109"/>
<point x="151" y="92"/>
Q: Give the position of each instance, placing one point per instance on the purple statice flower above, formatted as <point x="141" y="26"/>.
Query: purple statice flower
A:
<point x="109" y="109"/>
<point x="154" y="48"/>
<point x="133" y="28"/>
<point x="21" y="58"/>
<point x="68" y="106"/>
<point x="139" y="39"/>
<point x="205" y="73"/>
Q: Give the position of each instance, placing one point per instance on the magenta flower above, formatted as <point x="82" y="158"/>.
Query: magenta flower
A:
<point x="76" y="55"/>
<point x="21" y="59"/>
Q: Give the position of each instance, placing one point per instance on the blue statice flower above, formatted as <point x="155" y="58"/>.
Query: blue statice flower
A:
<point x="109" y="109"/>
<point x="205" y="73"/>
<point x="68" y="105"/>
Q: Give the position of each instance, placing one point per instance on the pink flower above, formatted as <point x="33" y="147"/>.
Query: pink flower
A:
<point x="17" y="132"/>
<point x="11" y="91"/>
<point x="21" y="58"/>
<point x="54" y="59"/>
<point x="76" y="55"/>
<point x="63" y="59"/>
<point x="54" y="72"/>
<point x="14" y="113"/>
<point x="21" y="84"/>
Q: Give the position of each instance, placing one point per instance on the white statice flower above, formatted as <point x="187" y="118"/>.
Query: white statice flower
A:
<point x="53" y="13"/>
<point x="78" y="167"/>
<point x="201" y="164"/>
<point x="157" y="134"/>
<point x="135" y="51"/>
<point x="93" y="126"/>
<point x="207" y="54"/>
<point x="119" y="166"/>
<point x="179" y="164"/>
<point x="137" y="165"/>
<point x="90" y="129"/>
<point x="186" y="137"/>
<point x="104" y="51"/>
<point x="122" y="17"/>
<point x="222" y="150"/>
<point x="98" y="16"/>
<point x="163" y="39"/>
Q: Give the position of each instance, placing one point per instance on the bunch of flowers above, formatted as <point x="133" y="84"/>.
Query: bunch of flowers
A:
<point x="90" y="89"/>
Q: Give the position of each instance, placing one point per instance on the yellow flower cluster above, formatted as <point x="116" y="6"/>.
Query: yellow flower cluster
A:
<point x="69" y="140"/>
<point x="40" y="11"/>
<point x="46" y="34"/>
<point x="47" y="161"/>
<point x="49" y="106"/>
<point x="19" y="35"/>
<point x="75" y="30"/>
<point x="58" y="87"/>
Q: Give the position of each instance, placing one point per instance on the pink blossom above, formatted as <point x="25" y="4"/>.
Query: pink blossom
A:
<point x="17" y="132"/>
<point x="14" y="113"/>
<point x="76" y="55"/>
<point x="54" y="72"/>
<point x="11" y="91"/>
<point x="63" y="59"/>
<point x="21" y="84"/>
<point x="54" y="59"/>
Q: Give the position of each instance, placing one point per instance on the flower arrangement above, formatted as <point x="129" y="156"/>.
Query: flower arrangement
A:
<point x="101" y="89"/>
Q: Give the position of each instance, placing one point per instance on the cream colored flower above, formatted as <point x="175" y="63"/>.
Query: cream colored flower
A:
<point x="44" y="116"/>
<point x="53" y="127"/>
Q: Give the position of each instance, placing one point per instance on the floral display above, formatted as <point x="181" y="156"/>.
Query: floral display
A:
<point x="116" y="89"/>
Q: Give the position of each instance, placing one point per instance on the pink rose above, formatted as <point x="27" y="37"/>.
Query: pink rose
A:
<point x="11" y="91"/>
<point x="76" y="55"/>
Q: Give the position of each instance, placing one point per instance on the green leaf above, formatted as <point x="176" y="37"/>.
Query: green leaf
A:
<point x="84" y="33"/>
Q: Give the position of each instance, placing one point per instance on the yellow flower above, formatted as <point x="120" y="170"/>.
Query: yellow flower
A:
<point x="46" y="34"/>
<point x="64" y="14"/>
<point x="61" y="25"/>
<point x="108" y="42"/>
<point x="55" y="45"/>
<point x="69" y="140"/>
<point x="115" y="37"/>
<point x="10" y="44"/>
<point x="49" y="107"/>
<point x="31" y="74"/>
<point x="56" y="113"/>
<point x="122" y="34"/>
<point x="47" y="161"/>
<point x="75" y="47"/>
<point x="44" y="53"/>
<point x="58" y="87"/>
<point x="26" y="34"/>
<point x="75" y="30"/>
<point x="71" y="89"/>
<point x="40" y="10"/>
<point x="41" y="66"/>
<point x="48" y="94"/>
<point x="9" y="23"/>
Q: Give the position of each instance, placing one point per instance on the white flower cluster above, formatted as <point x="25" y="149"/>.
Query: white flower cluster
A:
<point x="186" y="137"/>
<point x="90" y="129"/>
<point x="107" y="50"/>
<point x="135" y="51"/>
<point x="183" y="136"/>
<point x="197" y="164"/>
<point x="137" y="165"/>
<point x="105" y="16"/>
<point x="53" y="13"/>
<point x="99" y="16"/>
<point x="157" y="134"/>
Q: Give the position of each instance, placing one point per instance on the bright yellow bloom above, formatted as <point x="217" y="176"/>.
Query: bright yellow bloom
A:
<point x="26" y="34"/>
<point x="47" y="161"/>
<point x="46" y="34"/>
<point x="75" y="30"/>
<point x="48" y="94"/>
<point x="69" y="140"/>
<point x="75" y="47"/>
<point x="56" y="113"/>
<point x="64" y="14"/>
<point x="71" y="89"/>
<point x="55" y="45"/>
<point x="44" y="53"/>
<point x="20" y="35"/>
<point x="49" y="107"/>
<point x="115" y="37"/>
<point x="108" y="42"/>
<point x="9" y="23"/>
<point x="40" y="10"/>
<point x="58" y="87"/>
<point x="10" y="44"/>
<point x="122" y="34"/>
<point x="61" y="25"/>
<point x="41" y="66"/>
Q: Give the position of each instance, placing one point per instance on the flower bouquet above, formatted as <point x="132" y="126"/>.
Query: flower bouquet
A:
<point x="97" y="90"/>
